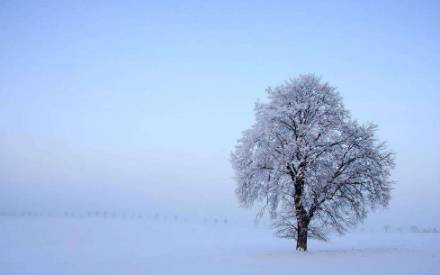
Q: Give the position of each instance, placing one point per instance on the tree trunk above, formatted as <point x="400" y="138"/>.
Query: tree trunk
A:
<point x="300" y="212"/>
<point x="301" y="242"/>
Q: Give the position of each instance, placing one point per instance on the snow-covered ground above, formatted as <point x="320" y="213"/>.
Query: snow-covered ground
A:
<point x="58" y="246"/>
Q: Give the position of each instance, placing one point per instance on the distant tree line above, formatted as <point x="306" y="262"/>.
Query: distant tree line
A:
<point x="412" y="229"/>
<point x="118" y="215"/>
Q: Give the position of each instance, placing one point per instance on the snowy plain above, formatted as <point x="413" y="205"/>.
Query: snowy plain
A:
<point x="53" y="246"/>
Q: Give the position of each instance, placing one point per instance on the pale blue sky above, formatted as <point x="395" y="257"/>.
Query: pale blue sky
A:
<point x="113" y="103"/>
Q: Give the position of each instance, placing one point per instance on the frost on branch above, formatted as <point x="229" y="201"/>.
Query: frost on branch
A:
<point x="308" y="164"/>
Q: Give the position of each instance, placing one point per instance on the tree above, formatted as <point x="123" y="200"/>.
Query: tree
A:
<point x="308" y="164"/>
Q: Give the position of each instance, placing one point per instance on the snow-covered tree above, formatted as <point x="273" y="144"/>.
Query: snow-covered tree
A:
<point x="308" y="164"/>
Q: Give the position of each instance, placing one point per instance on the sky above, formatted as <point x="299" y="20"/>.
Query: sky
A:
<point x="138" y="104"/>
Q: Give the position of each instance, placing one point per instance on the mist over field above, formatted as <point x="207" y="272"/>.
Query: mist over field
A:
<point x="118" y="119"/>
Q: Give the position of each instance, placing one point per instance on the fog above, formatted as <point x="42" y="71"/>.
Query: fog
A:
<point x="136" y="106"/>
